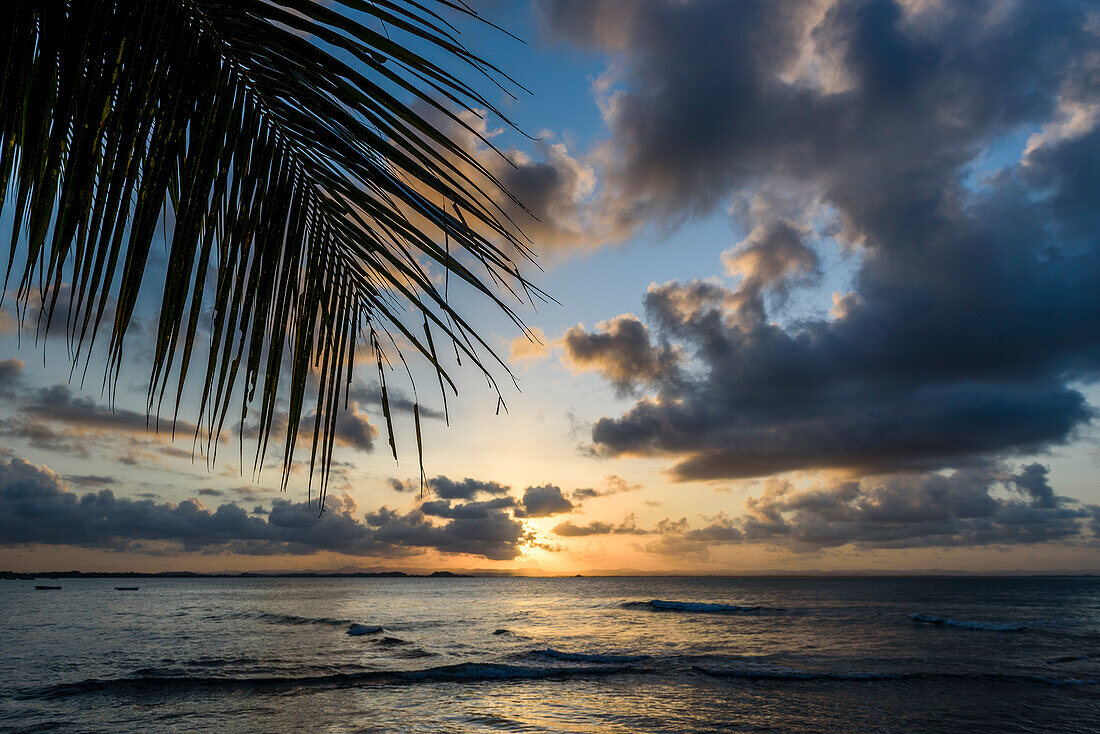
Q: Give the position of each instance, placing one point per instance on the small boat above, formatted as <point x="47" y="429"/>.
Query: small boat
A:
<point x="46" y="588"/>
<point x="126" y="588"/>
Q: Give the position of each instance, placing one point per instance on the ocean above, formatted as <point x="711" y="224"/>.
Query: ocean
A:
<point x="552" y="655"/>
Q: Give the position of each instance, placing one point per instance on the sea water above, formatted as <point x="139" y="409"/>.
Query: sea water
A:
<point x="552" y="655"/>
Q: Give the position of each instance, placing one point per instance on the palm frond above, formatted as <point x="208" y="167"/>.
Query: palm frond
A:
<point x="285" y="146"/>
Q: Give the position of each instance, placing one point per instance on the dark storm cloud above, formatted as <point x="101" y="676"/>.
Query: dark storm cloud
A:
<point x="896" y="511"/>
<point x="37" y="508"/>
<point x="543" y="501"/>
<point x="974" y="313"/>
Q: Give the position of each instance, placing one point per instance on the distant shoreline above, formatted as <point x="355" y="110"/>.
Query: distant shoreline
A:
<point x="27" y="575"/>
<point x="12" y="575"/>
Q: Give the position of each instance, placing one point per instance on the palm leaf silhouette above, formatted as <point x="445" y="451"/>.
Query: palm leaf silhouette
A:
<point x="283" y="148"/>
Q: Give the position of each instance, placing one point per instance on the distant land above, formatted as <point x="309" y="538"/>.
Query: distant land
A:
<point x="9" y="575"/>
<point x="479" y="573"/>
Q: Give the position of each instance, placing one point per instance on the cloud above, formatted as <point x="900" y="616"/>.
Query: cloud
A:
<point x="543" y="501"/>
<point x="90" y="480"/>
<point x="250" y="491"/>
<point x="970" y="325"/>
<point x="451" y="489"/>
<point x="768" y="260"/>
<point x="613" y="484"/>
<point x="621" y="350"/>
<point x="369" y="395"/>
<point x="961" y="508"/>
<point x="36" y="507"/>
<point x="564" y="206"/>
<point x="1032" y="483"/>
<point x="11" y="374"/>
<point x="41" y="435"/>
<point x="58" y="405"/>
<point x="354" y="429"/>
<point x="466" y="489"/>
<point x="8" y="323"/>
<point x="628" y="526"/>
<point x="529" y="349"/>
<point x="492" y="535"/>
<point x="834" y="89"/>
<point x="467" y="510"/>
<point x="32" y="320"/>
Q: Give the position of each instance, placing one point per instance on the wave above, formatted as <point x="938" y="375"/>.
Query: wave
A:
<point x="790" y="674"/>
<point x="403" y="648"/>
<point x="211" y="662"/>
<point x="458" y="673"/>
<point x="500" y="671"/>
<point x="357" y="630"/>
<point x="583" y="657"/>
<point x="662" y="605"/>
<point x="1074" y="658"/>
<point x="353" y="628"/>
<point x="289" y="619"/>
<point x="856" y="676"/>
<point x="969" y="624"/>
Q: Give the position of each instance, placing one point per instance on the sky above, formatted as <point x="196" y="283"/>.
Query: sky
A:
<point x="825" y="279"/>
